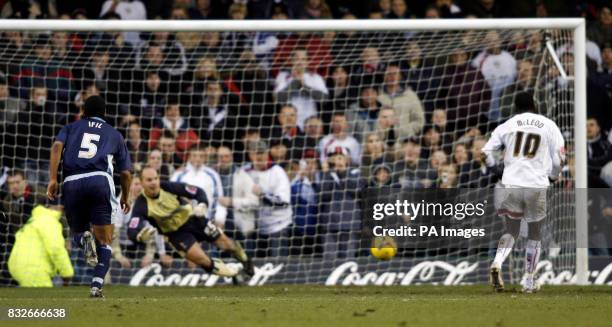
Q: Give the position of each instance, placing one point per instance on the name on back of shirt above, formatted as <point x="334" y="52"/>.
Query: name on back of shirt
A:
<point x="529" y="122"/>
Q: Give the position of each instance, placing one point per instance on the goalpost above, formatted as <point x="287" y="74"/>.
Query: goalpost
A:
<point x="428" y="54"/>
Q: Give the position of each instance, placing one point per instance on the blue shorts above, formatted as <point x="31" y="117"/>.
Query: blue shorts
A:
<point x="89" y="199"/>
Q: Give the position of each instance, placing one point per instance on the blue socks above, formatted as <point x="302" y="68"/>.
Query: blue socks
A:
<point x="104" y="256"/>
<point x="77" y="240"/>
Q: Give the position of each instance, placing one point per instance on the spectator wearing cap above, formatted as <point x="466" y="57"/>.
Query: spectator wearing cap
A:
<point x="273" y="189"/>
<point x="404" y="101"/>
<point x="340" y="213"/>
<point x="340" y="137"/>
<point x="382" y="175"/>
<point x="305" y="205"/>
<point x="410" y="171"/>
<point x="303" y="89"/>
<point x="172" y="122"/>
<point x="288" y="133"/>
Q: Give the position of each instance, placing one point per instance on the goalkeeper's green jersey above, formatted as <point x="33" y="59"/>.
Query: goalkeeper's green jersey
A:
<point x="170" y="209"/>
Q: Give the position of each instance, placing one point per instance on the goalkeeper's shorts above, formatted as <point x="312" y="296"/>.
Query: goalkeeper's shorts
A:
<point x="192" y="231"/>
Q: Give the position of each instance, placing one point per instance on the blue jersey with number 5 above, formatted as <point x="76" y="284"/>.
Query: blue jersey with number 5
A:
<point x="91" y="144"/>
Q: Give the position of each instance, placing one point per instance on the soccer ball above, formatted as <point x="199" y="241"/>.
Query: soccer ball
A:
<point x="383" y="248"/>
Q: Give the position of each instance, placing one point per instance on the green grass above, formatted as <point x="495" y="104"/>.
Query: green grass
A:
<point x="318" y="306"/>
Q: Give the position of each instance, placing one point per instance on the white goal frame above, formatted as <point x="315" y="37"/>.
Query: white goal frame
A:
<point x="578" y="25"/>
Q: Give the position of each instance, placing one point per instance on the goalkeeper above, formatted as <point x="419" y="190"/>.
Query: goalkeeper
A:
<point x="178" y="211"/>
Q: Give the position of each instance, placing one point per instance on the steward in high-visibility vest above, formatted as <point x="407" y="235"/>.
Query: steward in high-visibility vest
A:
<point x="39" y="252"/>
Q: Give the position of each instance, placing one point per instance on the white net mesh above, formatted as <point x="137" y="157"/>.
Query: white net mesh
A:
<point x="408" y="108"/>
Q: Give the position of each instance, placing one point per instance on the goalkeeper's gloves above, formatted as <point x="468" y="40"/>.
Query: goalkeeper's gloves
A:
<point x="146" y="233"/>
<point x="199" y="209"/>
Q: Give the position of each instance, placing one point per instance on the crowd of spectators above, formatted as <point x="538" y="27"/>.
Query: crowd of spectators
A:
<point x="323" y="114"/>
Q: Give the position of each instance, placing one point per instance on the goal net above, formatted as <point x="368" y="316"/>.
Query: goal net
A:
<point x="314" y="119"/>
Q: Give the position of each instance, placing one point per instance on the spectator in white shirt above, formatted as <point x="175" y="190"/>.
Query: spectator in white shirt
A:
<point x="303" y="89"/>
<point x="340" y="137"/>
<point x="498" y="67"/>
<point x="273" y="189"/>
<point x="196" y="173"/>
<point x="127" y="10"/>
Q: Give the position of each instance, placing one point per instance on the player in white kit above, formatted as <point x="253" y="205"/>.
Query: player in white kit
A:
<point x="534" y="155"/>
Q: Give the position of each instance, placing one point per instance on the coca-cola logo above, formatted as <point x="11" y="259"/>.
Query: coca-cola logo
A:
<point x="348" y="273"/>
<point x="424" y="272"/>
<point x="546" y="275"/>
<point x="152" y="276"/>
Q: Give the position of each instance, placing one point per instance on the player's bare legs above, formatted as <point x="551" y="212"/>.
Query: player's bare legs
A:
<point x="104" y="238"/>
<point x="196" y="255"/>
<point x="532" y="256"/>
<point x="226" y="243"/>
<point x="504" y="247"/>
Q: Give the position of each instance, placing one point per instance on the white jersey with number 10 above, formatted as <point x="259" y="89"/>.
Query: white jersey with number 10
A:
<point x="534" y="150"/>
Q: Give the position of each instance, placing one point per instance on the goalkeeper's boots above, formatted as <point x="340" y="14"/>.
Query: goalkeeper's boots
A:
<point x="496" y="279"/>
<point x="249" y="267"/>
<point x="89" y="248"/>
<point x="530" y="285"/>
<point x="223" y="270"/>
<point x="96" y="292"/>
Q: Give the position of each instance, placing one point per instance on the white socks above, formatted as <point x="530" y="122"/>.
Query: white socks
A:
<point x="532" y="256"/>
<point x="506" y="242"/>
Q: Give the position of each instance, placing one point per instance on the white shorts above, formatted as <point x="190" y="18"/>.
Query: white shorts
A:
<point x="522" y="203"/>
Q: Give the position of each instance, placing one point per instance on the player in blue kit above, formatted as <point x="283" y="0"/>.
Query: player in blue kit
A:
<point x="88" y="148"/>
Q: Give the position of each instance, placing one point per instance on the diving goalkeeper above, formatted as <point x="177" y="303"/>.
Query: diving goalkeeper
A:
<point x="178" y="211"/>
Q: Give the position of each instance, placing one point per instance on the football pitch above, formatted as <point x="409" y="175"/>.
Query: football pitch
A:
<point x="317" y="306"/>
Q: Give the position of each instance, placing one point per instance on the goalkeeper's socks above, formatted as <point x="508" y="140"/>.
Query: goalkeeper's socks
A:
<point x="77" y="240"/>
<point x="104" y="255"/>
<point x="506" y="242"/>
<point x="532" y="256"/>
<point x="239" y="253"/>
